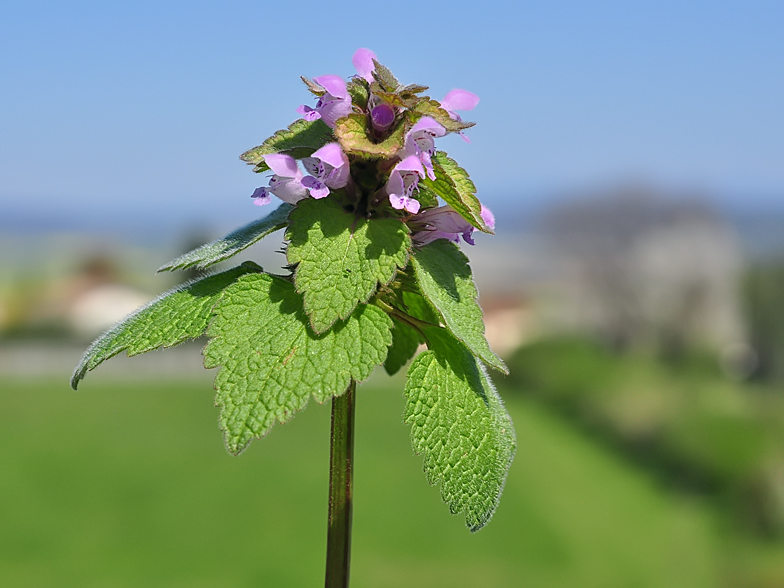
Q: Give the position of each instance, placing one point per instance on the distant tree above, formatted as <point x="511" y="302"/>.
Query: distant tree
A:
<point x="764" y="306"/>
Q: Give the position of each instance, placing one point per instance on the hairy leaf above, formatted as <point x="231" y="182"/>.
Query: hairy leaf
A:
<point x="301" y="139"/>
<point x="445" y="278"/>
<point x="433" y="109"/>
<point x="272" y="362"/>
<point x="384" y="77"/>
<point x="358" y="89"/>
<point x="456" y="188"/>
<point x="413" y="89"/>
<point x="242" y="238"/>
<point x="341" y="257"/>
<point x="170" y="319"/>
<point x="351" y="131"/>
<point x="313" y="87"/>
<point x="391" y="98"/>
<point x="460" y="426"/>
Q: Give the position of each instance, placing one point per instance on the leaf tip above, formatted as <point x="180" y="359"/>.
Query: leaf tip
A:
<point x="78" y="374"/>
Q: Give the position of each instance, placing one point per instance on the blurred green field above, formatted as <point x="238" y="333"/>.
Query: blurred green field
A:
<point x="127" y="484"/>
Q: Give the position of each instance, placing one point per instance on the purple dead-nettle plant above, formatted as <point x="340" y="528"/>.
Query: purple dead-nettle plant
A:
<point x="373" y="214"/>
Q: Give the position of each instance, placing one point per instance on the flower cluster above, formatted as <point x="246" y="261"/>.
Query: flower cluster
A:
<point x="370" y="142"/>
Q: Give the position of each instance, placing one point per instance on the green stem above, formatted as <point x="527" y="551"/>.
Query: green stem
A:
<point x="341" y="466"/>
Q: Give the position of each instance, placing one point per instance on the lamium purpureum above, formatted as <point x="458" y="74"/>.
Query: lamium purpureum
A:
<point x="373" y="272"/>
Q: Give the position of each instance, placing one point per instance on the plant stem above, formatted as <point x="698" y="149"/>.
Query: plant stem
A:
<point x="341" y="466"/>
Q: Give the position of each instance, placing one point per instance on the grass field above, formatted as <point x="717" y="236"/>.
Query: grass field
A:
<point x="127" y="484"/>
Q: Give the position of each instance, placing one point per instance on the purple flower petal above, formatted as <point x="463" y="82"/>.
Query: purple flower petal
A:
<point x="289" y="190"/>
<point x="332" y="110"/>
<point x="412" y="205"/>
<point x="338" y="177"/>
<point x="308" y="113"/>
<point x="363" y="61"/>
<point x="261" y="196"/>
<point x="335" y="85"/>
<point x="410" y="163"/>
<point x="427" y="161"/>
<point x="429" y="126"/>
<point x="313" y="166"/>
<point x="316" y="187"/>
<point x="488" y="217"/>
<point x="332" y="154"/>
<point x="459" y="100"/>
<point x="282" y="165"/>
<point x="428" y="236"/>
<point x="404" y="203"/>
<point x="443" y="222"/>
<point x="382" y="117"/>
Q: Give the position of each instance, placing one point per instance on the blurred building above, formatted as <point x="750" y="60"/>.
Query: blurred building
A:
<point x="631" y="266"/>
<point x="641" y="269"/>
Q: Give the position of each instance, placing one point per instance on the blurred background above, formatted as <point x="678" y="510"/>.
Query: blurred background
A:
<point x="633" y="154"/>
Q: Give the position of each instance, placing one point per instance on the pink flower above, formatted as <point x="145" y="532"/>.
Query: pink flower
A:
<point x="329" y="168"/>
<point x="420" y="141"/>
<point x="286" y="182"/>
<point x="334" y="104"/>
<point x="445" y="222"/>
<point x="459" y="100"/>
<point x="363" y="61"/>
<point x="402" y="182"/>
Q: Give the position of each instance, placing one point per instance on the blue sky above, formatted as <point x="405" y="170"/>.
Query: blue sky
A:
<point x="116" y="111"/>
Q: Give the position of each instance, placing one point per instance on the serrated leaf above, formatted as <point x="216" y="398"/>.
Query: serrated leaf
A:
<point x="413" y="89"/>
<point x="236" y="241"/>
<point x="445" y="279"/>
<point x="384" y="77"/>
<point x="272" y="362"/>
<point x="460" y="426"/>
<point x="299" y="140"/>
<point x="170" y="319"/>
<point x="352" y="133"/>
<point x="313" y="87"/>
<point x="433" y="109"/>
<point x="405" y="338"/>
<point x="358" y="89"/>
<point x="341" y="257"/>
<point x="456" y="188"/>
<point x="391" y="98"/>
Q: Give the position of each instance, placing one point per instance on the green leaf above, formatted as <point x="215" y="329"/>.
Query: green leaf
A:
<point x="445" y="278"/>
<point x="313" y="87"/>
<point x="233" y="243"/>
<point x="426" y="197"/>
<point x="432" y="108"/>
<point x="405" y="341"/>
<point x="391" y="98"/>
<point x="272" y="362"/>
<point x="456" y="188"/>
<point x="342" y="258"/>
<point x="301" y="139"/>
<point x="405" y="338"/>
<point x="384" y="77"/>
<point x="351" y="131"/>
<point x="170" y="319"/>
<point x="358" y="89"/>
<point x="413" y="89"/>
<point x="460" y="425"/>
